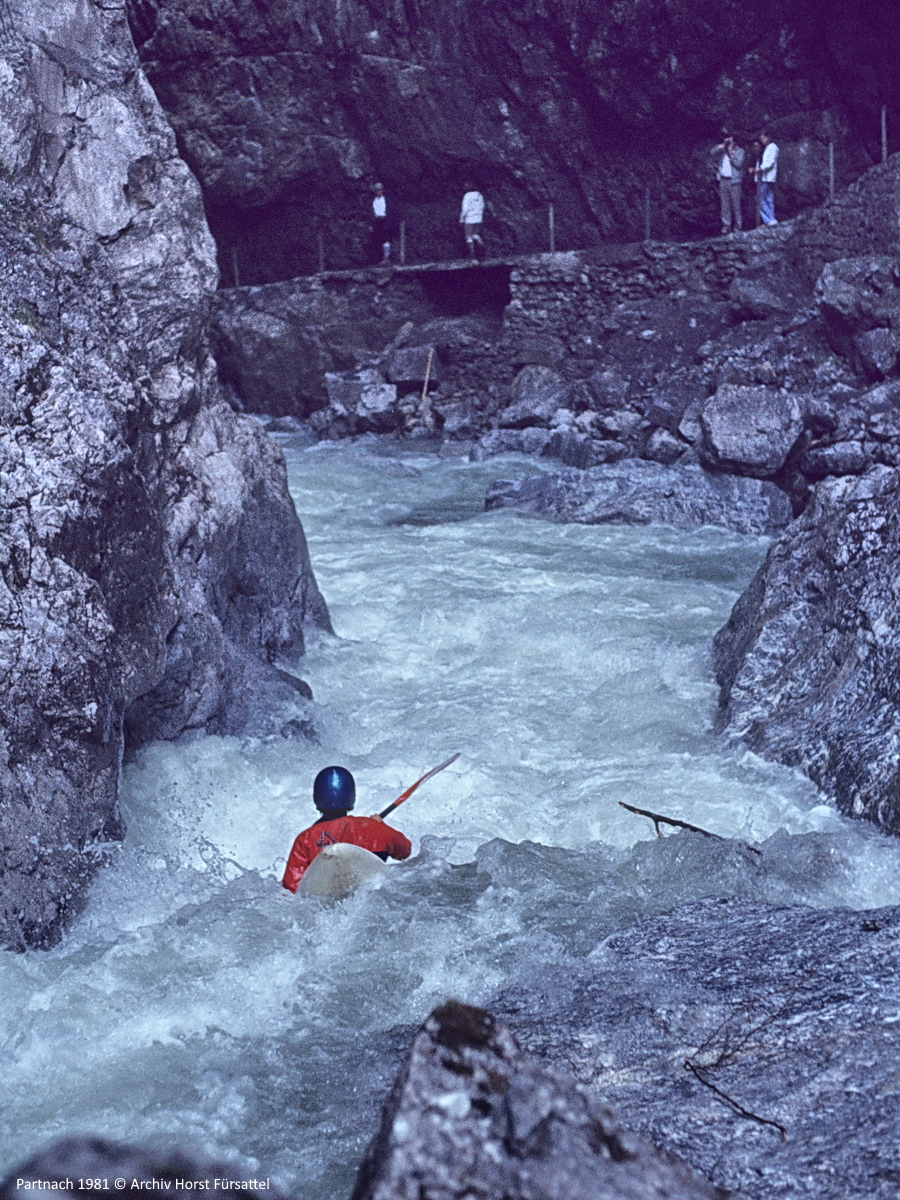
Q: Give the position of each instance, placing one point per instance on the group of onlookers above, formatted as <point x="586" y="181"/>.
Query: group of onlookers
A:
<point x="733" y="167"/>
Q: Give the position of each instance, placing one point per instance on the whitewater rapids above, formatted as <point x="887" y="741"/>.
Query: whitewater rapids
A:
<point x="195" y="1002"/>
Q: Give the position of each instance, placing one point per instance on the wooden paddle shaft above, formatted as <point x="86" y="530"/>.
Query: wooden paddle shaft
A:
<point x="409" y="791"/>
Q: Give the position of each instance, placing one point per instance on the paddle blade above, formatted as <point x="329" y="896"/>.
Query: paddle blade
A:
<point x="409" y="791"/>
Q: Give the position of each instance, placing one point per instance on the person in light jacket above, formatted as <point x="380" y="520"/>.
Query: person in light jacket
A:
<point x="767" y="174"/>
<point x="470" y="217"/>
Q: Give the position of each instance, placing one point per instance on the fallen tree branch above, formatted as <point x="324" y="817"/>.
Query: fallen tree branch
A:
<point x="738" y="1108"/>
<point x="658" y="820"/>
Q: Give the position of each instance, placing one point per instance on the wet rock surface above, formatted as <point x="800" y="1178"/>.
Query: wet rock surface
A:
<point x="641" y="493"/>
<point x="790" y="1013"/>
<point x="808" y="659"/>
<point x="152" y="564"/>
<point x="143" y="1170"/>
<point x="471" y="1115"/>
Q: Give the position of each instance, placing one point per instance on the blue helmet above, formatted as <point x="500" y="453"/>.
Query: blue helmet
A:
<point x="334" y="788"/>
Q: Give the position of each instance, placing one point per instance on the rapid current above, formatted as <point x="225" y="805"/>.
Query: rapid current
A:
<point x="197" y="1003"/>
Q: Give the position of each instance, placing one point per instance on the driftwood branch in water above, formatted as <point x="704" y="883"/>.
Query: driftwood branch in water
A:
<point x="697" y="1072"/>
<point x="658" y="820"/>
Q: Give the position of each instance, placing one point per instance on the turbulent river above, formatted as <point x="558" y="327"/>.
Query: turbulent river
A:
<point x="196" y="1002"/>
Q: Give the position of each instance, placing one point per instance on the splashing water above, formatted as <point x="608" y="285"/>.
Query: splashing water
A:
<point x="197" y="1003"/>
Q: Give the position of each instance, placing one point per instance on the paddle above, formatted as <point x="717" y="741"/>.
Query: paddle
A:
<point x="409" y="791"/>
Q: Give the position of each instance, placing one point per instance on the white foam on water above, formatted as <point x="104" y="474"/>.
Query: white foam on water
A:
<point x="196" y="1002"/>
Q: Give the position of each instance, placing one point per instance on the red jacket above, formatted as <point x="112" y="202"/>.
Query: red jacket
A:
<point x="358" y="831"/>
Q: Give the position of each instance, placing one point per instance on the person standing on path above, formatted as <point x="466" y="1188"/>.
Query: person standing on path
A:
<point x="382" y="224"/>
<point x="729" y="163"/>
<point x="471" y="217"/>
<point x="754" y="154"/>
<point x="767" y="174"/>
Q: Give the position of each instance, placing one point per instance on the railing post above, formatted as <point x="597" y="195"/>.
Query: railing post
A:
<point x="831" y="170"/>
<point x="646" y="214"/>
<point x="234" y="267"/>
<point x="402" y="242"/>
<point x="321" y="241"/>
<point x="884" y="153"/>
<point x="552" y="224"/>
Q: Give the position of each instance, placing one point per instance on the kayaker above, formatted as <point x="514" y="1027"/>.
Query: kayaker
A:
<point x="334" y="794"/>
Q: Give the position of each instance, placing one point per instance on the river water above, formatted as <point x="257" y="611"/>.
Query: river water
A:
<point x="196" y="1002"/>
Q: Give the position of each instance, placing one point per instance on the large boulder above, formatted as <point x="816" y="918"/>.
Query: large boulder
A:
<point x="534" y="398"/>
<point x="273" y="362"/>
<point x="859" y="299"/>
<point x="787" y="1014"/>
<point x="809" y="660"/>
<point x="749" y="430"/>
<point x="414" y="364"/>
<point x="471" y="1115"/>
<point x="636" y="492"/>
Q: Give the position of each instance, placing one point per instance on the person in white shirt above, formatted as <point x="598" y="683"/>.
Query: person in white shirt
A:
<point x="767" y="173"/>
<point x="381" y="223"/>
<point x="471" y="216"/>
<point x="729" y="163"/>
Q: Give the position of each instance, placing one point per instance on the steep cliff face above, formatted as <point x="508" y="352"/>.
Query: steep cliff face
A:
<point x="288" y="111"/>
<point x="809" y="660"/>
<point x="151" y="559"/>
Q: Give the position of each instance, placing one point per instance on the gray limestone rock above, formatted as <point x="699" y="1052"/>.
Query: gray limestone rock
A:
<point x="580" y="450"/>
<point x="790" y="1012"/>
<point x="411" y="364"/>
<point x="809" y="660"/>
<point x="859" y="299"/>
<point x="144" y="1170"/>
<point x="364" y="402"/>
<point x="877" y="350"/>
<point x="663" y="447"/>
<point x="535" y="398"/>
<point x="749" y="430"/>
<point x="472" y="1116"/>
<point x="839" y="458"/>
<point x="636" y="492"/>
<point x="273" y="362"/>
<point x="152" y="568"/>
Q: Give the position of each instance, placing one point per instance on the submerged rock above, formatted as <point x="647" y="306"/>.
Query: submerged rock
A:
<point x="471" y="1115"/>
<point x="809" y="660"/>
<point x="640" y="493"/>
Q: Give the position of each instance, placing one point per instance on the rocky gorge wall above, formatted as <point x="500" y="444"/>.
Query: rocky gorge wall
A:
<point x="288" y="112"/>
<point x="152" y="564"/>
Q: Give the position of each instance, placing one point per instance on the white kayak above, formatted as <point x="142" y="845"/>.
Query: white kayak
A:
<point x="338" y="870"/>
